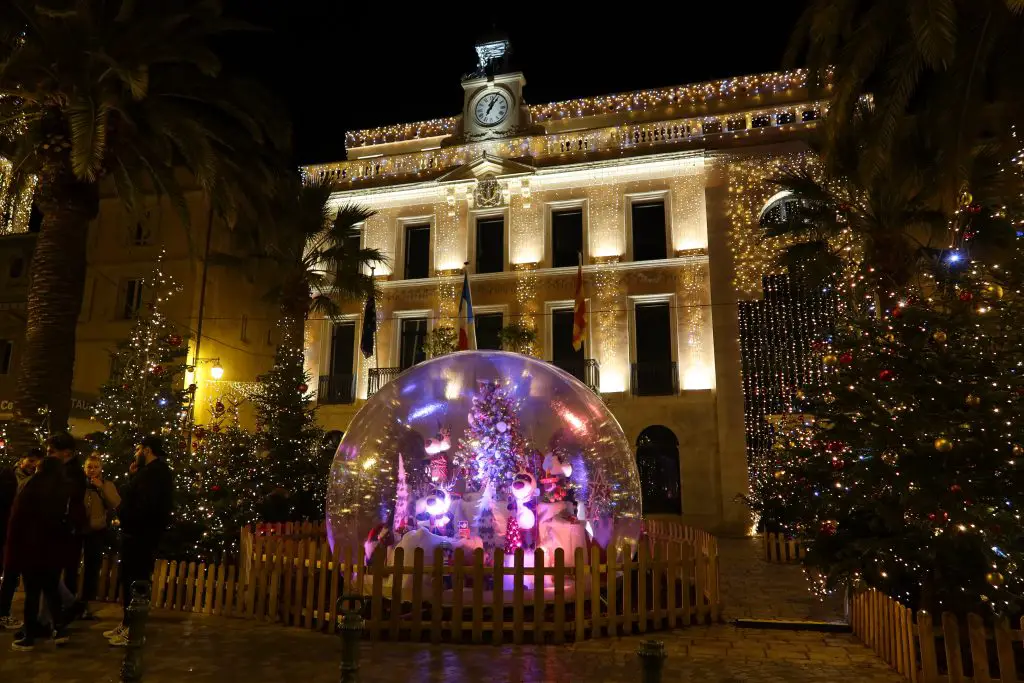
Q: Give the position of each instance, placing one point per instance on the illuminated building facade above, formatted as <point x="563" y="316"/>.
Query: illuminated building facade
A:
<point x="650" y="188"/>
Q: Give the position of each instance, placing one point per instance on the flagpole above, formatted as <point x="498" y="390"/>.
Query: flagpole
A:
<point x="465" y="274"/>
<point x="579" y="261"/>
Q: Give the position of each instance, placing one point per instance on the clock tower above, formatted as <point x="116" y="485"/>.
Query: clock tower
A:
<point x="493" y="106"/>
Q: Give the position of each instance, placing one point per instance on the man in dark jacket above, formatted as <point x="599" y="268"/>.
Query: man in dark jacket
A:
<point x="147" y="502"/>
<point x="62" y="447"/>
<point x="11" y="482"/>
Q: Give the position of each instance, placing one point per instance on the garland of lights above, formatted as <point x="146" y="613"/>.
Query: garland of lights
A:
<point x="695" y="94"/>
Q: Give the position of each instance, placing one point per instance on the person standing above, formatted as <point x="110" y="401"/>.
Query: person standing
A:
<point x="12" y="480"/>
<point x="101" y="500"/>
<point x="62" y="447"/>
<point x="37" y="541"/>
<point x="145" y="512"/>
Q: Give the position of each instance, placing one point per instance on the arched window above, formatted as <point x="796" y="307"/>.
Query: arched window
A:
<point x="779" y="212"/>
<point x="657" y="459"/>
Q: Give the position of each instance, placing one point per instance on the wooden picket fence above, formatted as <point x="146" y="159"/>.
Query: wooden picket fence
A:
<point x="295" y="580"/>
<point x="949" y="651"/>
<point x="778" y="548"/>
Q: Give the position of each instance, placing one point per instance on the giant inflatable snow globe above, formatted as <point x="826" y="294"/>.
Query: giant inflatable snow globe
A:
<point x="483" y="450"/>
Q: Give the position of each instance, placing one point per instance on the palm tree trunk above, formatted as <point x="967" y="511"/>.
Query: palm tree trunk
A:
<point x="54" y="303"/>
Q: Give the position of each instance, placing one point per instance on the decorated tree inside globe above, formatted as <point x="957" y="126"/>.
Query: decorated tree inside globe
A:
<point x="402" y="512"/>
<point x="906" y="470"/>
<point x="493" y="449"/>
<point x="296" y="464"/>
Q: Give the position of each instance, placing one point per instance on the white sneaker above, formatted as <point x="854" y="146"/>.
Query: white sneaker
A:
<point x="119" y="632"/>
<point x="10" y="624"/>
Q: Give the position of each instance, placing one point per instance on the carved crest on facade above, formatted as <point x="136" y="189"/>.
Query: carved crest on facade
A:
<point x="487" y="193"/>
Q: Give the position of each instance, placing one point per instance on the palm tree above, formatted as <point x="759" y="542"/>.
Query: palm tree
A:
<point x="126" y="94"/>
<point x="954" y="65"/>
<point x="309" y="251"/>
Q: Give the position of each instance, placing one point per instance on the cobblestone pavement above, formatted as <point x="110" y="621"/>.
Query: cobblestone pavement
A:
<point x="753" y="588"/>
<point x="200" y="649"/>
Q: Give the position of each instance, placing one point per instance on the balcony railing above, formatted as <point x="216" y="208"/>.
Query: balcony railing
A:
<point x="336" y="389"/>
<point x="379" y="377"/>
<point x="654" y="378"/>
<point x="586" y="370"/>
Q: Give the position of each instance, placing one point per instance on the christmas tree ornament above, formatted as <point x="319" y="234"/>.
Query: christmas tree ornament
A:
<point x="218" y="407"/>
<point x="846" y="358"/>
<point x="174" y="340"/>
<point x="778" y="446"/>
<point x="830" y="359"/>
<point x="995" y="579"/>
<point x="1018" y="450"/>
<point x="966" y="198"/>
<point x="829" y="527"/>
<point x="800" y="395"/>
<point x="303" y="388"/>
<point x="886" y="375"/>
<point x="501" y="427"/>
<point x="943" y="445"/>
<point x="158" y="370"/>
<point x="955" y="488"/>
<point x="966" y="296"/>
<point x="826" y="423"/>
<point x="972" y="400"/>
<point x="994" y="291"/>
<point x="779" y="474"/>
<point x="838" y="463"/>
<point x="897" y="312"/>
<point x="939" y="336"/>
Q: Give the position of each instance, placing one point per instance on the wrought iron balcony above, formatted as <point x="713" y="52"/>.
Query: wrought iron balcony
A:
<point x="379" y="377"/>
<point x="586" y="370"/>
<point x="336" y="389"/>
<point x="654" y="378"/>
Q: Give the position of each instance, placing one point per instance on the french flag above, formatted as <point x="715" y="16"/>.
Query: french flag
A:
<point x="467" y="326"/>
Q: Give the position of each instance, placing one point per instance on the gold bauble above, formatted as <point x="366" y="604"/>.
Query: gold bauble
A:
<point x="973" y="400"/>
<point x="778" y="446"/>
<point x="830" y="359"/>
<point x="995" y="291"/>
<point x="826" y="423"/>
<point x="939" y="336"/>
<point x="800" y="394"/>
<point x="889" y="457"/>
<point x="943" y="445"/>
<point x="995" y="579"/>
<point x="890" y="337"/>
<point x="966" y="199"/>
<point x="1018" y="450"/>
<point x="966" y="426"/>
<point x="779" y="474"/>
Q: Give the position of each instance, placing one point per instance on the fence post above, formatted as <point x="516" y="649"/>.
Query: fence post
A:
<point x="350" y="625"/>
<point x="652" y="660"/>
<point x="135" y="620"/>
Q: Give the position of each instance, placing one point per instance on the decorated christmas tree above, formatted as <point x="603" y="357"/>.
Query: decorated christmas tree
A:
<point x="402" y="515"/>
<point x="296" y="463"/>
<point x="145" y="397"/>
<point x="904" y="471"/>
<point x="493" y="448"/>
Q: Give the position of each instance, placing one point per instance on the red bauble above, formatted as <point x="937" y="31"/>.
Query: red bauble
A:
<point x="817" y="346"/>
<point x="932" y="516"/>
<point x="829" y="527"/>
<point x="955" y="488"/>
<point x="215" y="488"/>
<point x="218" y="407"/>
<point x="195" y="445"/>
<point x="158" y="370"/>
<point x="215" y="428"/>
<point x="835" y="446"/>
<point x="3" y="443"/>
<point x="126" y="387"/>
<point x="303" y="388"/>
<point x="174" y="340"/>
<point x="838" y="463"/>
<point x="886" y="375"/>
<point x="897" y="312"/>
<point x="966" y="296"/>
<point x="968" y="501"/>
<point x="200" y="433"/>
<point x="846" y="358"/>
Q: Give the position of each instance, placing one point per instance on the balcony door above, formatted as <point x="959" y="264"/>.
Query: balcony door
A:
<point x="562" y="353"/>
<point x="654" y="371"/>
<point x="341" y="384"/>
<point x="413" y="334"/>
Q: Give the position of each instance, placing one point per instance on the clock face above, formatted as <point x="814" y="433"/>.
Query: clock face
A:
<point x="491" y="109"/>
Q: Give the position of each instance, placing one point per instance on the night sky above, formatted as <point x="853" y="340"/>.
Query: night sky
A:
<point x="343" y="66"/>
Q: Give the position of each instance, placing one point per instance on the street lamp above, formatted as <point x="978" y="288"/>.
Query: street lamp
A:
<point x="216" y="371"/>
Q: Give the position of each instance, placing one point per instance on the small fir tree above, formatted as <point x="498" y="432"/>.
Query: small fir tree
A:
<point x="493" y="448"/>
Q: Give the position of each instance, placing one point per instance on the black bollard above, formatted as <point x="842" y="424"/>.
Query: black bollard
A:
<point x="350" y="626"/>
<point x="135" y="619"/>
<point x="652" y="660"/>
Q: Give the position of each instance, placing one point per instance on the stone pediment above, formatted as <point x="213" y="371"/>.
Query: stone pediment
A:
<point x="487" y="165"/>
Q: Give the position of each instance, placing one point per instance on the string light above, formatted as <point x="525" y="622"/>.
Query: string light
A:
<point x="16" y="193"/>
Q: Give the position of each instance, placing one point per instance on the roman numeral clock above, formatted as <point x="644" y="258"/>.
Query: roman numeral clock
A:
<point x="493" y="106"/>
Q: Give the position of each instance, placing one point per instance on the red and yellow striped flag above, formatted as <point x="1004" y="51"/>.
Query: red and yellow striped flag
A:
<point x="579" y="318"/>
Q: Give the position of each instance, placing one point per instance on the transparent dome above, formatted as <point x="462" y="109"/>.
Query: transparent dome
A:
<point x="484" y="449"/>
